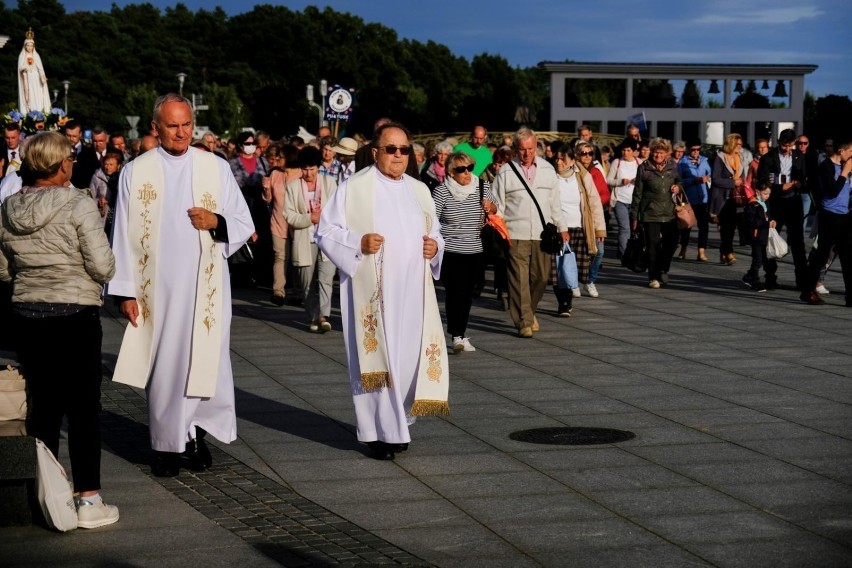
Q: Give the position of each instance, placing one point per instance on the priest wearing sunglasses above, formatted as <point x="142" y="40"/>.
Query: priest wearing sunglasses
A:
<point x="381" y="231"/>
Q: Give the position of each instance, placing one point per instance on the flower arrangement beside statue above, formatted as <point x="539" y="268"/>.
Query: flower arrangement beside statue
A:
<point x="36" y="120"/>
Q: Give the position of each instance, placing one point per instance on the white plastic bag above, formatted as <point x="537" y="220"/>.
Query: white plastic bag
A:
<point x="54" y="492"/>
<point x="776" y="246"/>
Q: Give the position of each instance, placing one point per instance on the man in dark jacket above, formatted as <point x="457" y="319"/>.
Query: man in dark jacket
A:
<point x="783" y="170"/>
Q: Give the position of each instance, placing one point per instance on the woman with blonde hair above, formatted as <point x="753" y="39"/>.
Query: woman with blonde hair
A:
<point x="56" y="253"/>
<point x="729" y="172"/>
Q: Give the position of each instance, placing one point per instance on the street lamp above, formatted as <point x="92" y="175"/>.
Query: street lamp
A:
<point x="66" y="83"/>
<point x="181" y="77"/>
<point x="309" y="94"/>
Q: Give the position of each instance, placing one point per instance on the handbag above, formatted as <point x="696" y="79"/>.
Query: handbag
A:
<point x="493" y="243"/>
<point x="683" y="211"/>
<point x="551" y="239"/>
<point x="776" y="246"/>
<point x="13" y="395"/>
<point x="635" y="255"/>
<point x="54" y="492"/>
<point x="742" y="194"/>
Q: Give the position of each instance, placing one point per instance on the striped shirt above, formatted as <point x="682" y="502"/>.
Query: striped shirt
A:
<point x="461" y="221"/>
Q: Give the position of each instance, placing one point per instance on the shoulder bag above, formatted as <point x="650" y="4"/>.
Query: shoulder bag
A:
<point x="551" y="240"/>
<point x="683" y="211"/>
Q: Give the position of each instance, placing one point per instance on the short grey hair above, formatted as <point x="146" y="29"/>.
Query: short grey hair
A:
<point x="679" y="145"/>
<point x="522" y="134"/>
<point x="443" y="147"/>
<point x="168" y="98"/>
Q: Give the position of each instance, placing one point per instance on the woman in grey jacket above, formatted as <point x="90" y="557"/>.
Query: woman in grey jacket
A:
<point x="56" y="254"/>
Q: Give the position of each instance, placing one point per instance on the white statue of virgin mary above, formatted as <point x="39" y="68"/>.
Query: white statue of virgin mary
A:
<point x="32" y="82"/>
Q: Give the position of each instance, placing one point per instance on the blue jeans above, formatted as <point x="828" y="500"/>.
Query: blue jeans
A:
<point x="622" y="217"/>
<point x="597" y="262"/>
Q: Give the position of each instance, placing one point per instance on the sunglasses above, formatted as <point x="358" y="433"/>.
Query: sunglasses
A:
<point x="802" y="143"/>
<point x="391" y="149"/>
<point x="463" y="169"/>
<point x="698" y="149"/>
<point x="591" y="153"/>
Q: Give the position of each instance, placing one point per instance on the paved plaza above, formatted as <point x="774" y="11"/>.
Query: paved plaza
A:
<point x="740" y="402"/>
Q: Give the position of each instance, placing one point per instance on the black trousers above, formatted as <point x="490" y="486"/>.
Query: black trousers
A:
<point x="61" y="358"/>
<point x="661" y="242"/>
<point x="727" y="227"/>
<point x="835" y="231"/>
<point x="758" y="261"/>
<point x="787" y="213"/>
<point x="459" y="274"/>
<point x="702" y="215"/>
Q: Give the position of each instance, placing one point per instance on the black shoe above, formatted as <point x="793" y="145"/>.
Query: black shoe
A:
<point x="277" y="299"/>
<point x="758" y="286"/>
<point x="197" y="452"/>
<point x="564" y="311"/>
<point x="664" y="279"/>
<point x="166" y="464"/>
<point x="381" y="450"/>
<point x="399" y="447"/>
<point x="811" y="298"/>
<point x="771" y="284"/>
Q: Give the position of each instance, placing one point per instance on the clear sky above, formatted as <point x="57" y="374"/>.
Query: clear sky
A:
<point x="526" y="32"/>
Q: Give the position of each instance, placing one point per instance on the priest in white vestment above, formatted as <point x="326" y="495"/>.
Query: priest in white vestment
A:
<point x="179" y="215"/>
<point x="381" y="231"/>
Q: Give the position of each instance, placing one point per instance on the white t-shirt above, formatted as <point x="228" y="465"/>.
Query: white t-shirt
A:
<point x="569" y="197"/>
<point x="625" y="170"/>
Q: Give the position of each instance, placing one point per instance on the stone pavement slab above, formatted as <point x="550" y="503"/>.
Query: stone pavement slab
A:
<point x="741" y="406"/>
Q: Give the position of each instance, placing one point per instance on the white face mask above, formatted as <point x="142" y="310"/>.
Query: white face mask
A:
<point x="249" y="148"/>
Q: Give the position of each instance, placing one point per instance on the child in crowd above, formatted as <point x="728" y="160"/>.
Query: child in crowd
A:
<point x="758" y="221"/>
<point x="104" y="185"/>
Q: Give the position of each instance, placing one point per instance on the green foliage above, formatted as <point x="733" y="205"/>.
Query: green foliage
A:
<point x="691" y="96"/>
<point x="830" y="117"/>
<point x="252" y="68"/>
<point x="750" y="98"/>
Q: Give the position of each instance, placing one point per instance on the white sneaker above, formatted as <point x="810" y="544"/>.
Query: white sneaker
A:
<point x="94" y="515"/>
<point x="821" y="289"/>
<point x="654" y="284"/>
<point x="575" y="292"/>
<point x="462" y="344"/>
<point x="591" y="290"/>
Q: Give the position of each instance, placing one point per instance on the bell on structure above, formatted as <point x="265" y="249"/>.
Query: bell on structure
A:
<point x="765" y="85"/>
<point x="714" y="88"/>
<point x="739" y="87"/>
<point x="780" y="90"/>
<point x="751" y="86"/>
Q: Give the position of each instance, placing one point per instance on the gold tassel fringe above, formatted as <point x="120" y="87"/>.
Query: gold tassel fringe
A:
<point x="430" y="408"/>
<point x="376" y="381"/>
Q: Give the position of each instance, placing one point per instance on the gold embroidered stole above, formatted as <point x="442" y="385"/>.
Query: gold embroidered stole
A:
<point x="147" y="186"/>
<point x="432" y="389"/>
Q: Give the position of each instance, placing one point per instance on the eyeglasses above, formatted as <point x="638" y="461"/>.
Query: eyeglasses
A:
<point x="801" y="143"/>
<point x="391" y="149"/>
<point x="463" y="169"/>
<point x="587" y="153"/>
<point x="698" y="149"/>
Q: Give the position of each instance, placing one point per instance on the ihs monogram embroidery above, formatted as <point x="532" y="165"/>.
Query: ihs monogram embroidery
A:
<point x="146" y="194"/>
<point x="208" y="202"/>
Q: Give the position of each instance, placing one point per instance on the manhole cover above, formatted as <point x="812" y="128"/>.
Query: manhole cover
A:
<point x="572" y="436"/>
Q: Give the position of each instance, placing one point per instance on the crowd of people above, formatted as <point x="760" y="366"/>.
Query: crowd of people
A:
<point x="391" y="216"/>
